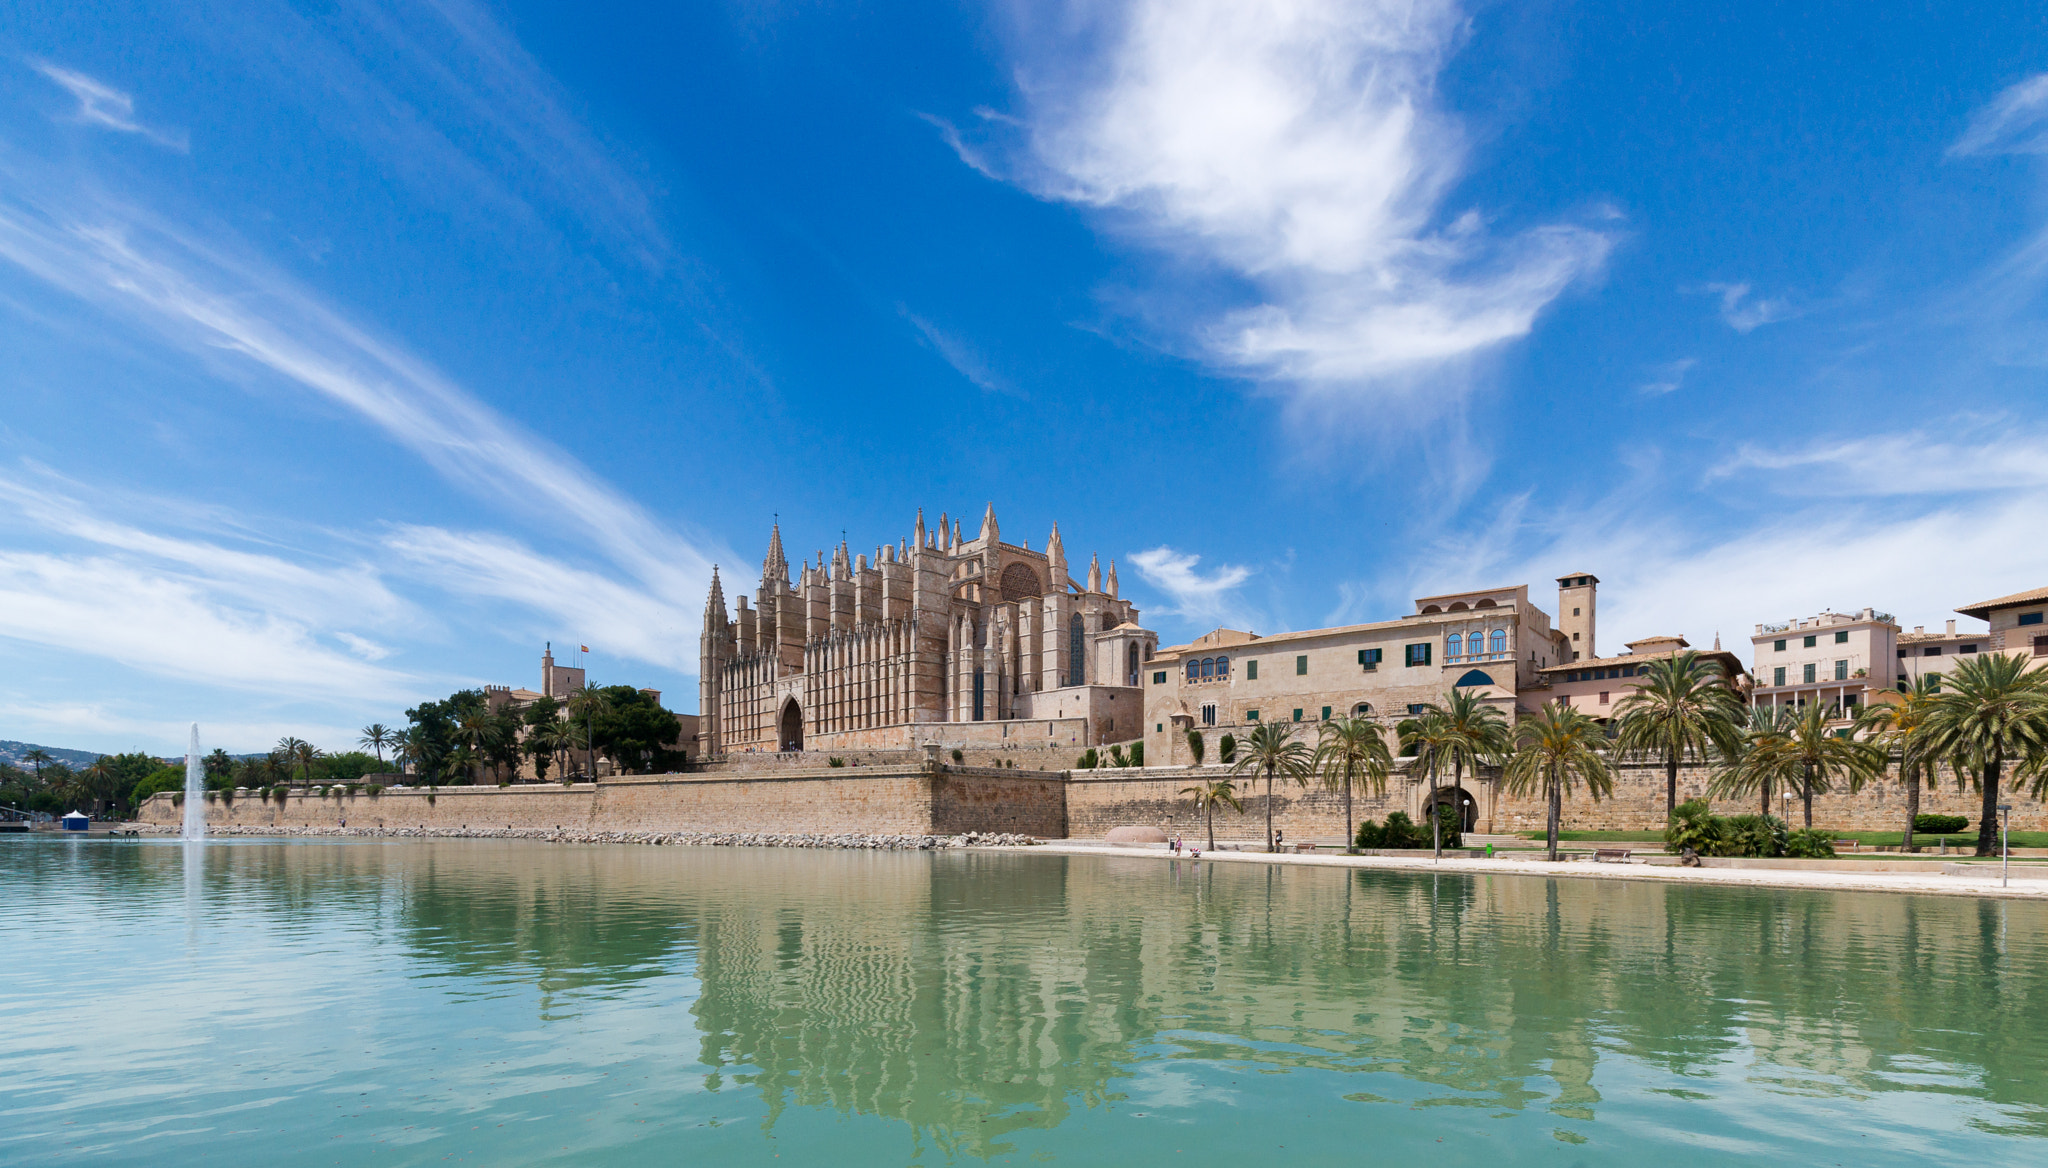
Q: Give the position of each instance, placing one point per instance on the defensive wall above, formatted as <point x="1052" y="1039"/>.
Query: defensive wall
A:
<point x="884" y="793"/>
<point x="877" y="800"/>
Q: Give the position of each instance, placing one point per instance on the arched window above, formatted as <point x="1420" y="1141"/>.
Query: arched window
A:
<point x="1077" y="651"/>
<point x="1222" y="667"/>
<point x="1362" y="709"/>
<point x="1131" y="667"/>
<point x="1497" y="642"/>
<point x="1194" y="671"/>
<point x="1473" y="677"/>
<point x="1453" y="646"/>
<point x="1208" y="667"/>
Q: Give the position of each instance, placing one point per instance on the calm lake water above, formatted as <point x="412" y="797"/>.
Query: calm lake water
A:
<point x="505" y="1002"/>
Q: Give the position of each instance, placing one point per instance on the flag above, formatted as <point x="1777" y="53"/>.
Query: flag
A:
<point x="586" y="648"/>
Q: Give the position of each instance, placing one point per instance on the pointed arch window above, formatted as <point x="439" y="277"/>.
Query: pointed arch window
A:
<point x="1077" y="650"/>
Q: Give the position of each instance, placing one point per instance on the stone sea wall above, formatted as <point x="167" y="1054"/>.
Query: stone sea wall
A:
<point x="908" y="800"/>
<point x="882" y="801"/>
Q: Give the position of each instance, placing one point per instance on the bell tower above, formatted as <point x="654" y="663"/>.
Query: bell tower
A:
<point x="1576" y="596"/>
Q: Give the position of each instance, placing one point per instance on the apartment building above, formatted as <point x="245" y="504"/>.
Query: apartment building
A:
<point x="1836" y="658"/>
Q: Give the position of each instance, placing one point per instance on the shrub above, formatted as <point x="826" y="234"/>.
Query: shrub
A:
<point x="1694" y="825"/>
<point x="1226" y="749"/>
<point x="1940" y="824"/>
<point x="430" y="796"/>
<point x="1809" y="843"/>
<point x="177" y="798"/>
<point x="1198" y="746"/>
<point x="1137" y="754"/>
<point x="1370" y="835"/>
<point x="1403" y="832"/>
<point x="1759" y="836"/>
<point x="227" y="795"/>
<point x="353" y="788"/>
<point x="1087" y="762"/>
<point x="1450" y="825"/>
<point x="958" y="755"/>
<point x="1116" y="757"/>
<point x="836" y="761"/>
<point x="375" y="789"/>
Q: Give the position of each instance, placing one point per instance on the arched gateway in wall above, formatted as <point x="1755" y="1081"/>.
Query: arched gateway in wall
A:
<point x="1459" y="797"/>
<point x="790" y="729"/>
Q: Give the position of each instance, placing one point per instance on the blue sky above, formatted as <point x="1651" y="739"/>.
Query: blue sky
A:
<point x="350" y="351"/>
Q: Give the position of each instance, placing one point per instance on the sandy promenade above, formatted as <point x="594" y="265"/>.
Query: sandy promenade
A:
<point x="2027" y="888"/>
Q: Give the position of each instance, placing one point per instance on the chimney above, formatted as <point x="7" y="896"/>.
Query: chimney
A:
<point x="1951" y="628"/>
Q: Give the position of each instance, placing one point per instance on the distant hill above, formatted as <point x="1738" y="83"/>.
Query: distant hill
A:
<point x="17" y="752"/>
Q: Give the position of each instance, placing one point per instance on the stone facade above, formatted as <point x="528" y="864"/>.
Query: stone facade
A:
<point x="901" y="800"/>
<point x="938" y="638"/>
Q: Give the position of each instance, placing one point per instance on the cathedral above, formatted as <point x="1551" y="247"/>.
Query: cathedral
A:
<point x="936" y="638"/>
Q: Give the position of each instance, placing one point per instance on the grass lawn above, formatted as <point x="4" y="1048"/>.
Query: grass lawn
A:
<point x="1625" y="837"/>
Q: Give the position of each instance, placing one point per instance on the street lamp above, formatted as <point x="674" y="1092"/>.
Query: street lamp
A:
<point x="2005" y="845"/>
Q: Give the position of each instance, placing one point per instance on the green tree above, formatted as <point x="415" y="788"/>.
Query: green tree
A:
<point x="1198" y="747"/>
<point x="1226" y="749"/>
<point x="633" y="730"/>
<point x="1556" y="749"/>
<point x="1764" y="759"/>
<point x="1900" y="724"/>
<point x="1473" y="734"/>
<point x="1993" y="710"/>
<point x="475" y="736"/>
<point x="587" y="705"/>
<point x="1825" y="759"/>
<point x="1352" y="753"/>
<point x="220" y="768"/>
<point x="430" y="735"/>
<point x="1271" y="750"/>
<point x="1207" y="795"/>
<point x="1685" y="708"/>
<point x="376" y="736"/>
<point x="36" y="758"/>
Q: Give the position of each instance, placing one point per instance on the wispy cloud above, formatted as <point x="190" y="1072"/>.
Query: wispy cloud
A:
<point x="2015" y="122"/>
<point x="204" y="300"/>
<point x="1297" y="152"/>
<point x="1668" y="377"/>
<point x="1212" y="598"/>
<point x="1745" y="315"/>
<point x="104" y="106"/>
<point x="1967" y="458"/>
<point x="964" y="359"/>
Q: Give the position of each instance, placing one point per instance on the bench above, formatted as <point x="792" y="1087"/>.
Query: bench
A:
<point x="1600" y="854"/>
<point x="1300" y="849"/>
<point x="1847" y="845"/>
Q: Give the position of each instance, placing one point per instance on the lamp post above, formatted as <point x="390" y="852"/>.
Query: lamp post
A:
<point x="2005" y="845"/>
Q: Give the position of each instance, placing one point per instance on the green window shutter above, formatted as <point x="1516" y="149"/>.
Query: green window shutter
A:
<point x="1159" y="678"/>
<point x="1326" y="713"/>
<point x="1301" y="665"/>
<point x="1251" y="715"/>
<point x="1297" y="715"/>
<point x="1251" y="671"/>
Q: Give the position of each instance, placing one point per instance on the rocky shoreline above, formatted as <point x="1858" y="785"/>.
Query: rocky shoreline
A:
<point x="713" y="839"/>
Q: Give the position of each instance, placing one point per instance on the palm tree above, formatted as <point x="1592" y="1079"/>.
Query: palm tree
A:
<point x="289" y="747"/>
<point x="1352" y="752"/>
<point x="403" y="749"/>
<point x="376" y="736"/>
<point x="308" y="754"/>
<point x="1901" y="725"/>
<point x="1556" y="748"/>
<point x="1762" y="759"/>
<point x="1473" y="734"/>
<point x="1994" y="711"/>
<point x="1824" y="756"/>
<point x="37" y="758"/>
<point x="1207" y="796"/>
<point x="1685" y="708"/>
<point x="477" y="734"/>
<point x="587" y="705"/>
<point x="1428" y="735"/>
<point x="1271" y="748"/>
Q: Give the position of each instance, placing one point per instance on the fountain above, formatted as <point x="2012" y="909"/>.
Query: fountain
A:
<point x="195" y="790"/>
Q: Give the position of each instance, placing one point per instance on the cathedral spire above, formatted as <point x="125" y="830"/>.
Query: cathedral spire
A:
<point x="773" y="565"/>
<point x="917" y="535"/>
<point x="714" y="605"/>
<point x="1110" y="584"/>
<point x="842" y="565"/>
<point x="989" y="531"/>
<point x="1094" y="573"/>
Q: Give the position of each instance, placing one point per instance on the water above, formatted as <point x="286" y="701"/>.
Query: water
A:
<point x="506" y="1002"/>
<point x="195" y="790"/>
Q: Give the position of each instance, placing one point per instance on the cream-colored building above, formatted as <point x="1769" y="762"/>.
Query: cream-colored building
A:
<point x="2017" y="622"/>
<point x="1598" y="684"/>
<point x="1922" y="653"/>
<point x="1836" y="658"/>
<point x="939" y="637"/>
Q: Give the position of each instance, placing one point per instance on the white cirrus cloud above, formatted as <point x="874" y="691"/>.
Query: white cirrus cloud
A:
<point x="1213" y="597"/>
<point x="1970" y="458"/>
<point x="104" y="106"/>
<point x="1668" y="377"/>
<point x="2014" y="122"/>
<point x="1746" y="315"/>
<point x="1299" y="153"/>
